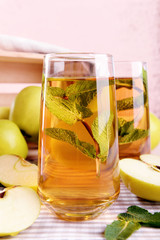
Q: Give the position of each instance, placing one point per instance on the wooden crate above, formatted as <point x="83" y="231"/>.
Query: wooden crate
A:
<point x="18" y="70"/>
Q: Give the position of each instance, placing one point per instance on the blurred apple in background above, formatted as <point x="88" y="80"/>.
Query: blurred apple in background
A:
<point x="11" y="139"/>
<point x="25" y="111"/>
<point x="154" y="130"/>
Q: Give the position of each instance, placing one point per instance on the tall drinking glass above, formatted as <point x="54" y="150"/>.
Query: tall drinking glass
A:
<point x="133" y="108"/>
<point x="78" y="144"/>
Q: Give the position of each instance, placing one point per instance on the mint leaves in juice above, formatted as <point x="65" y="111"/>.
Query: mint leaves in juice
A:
<point x="71" y="105"/>
<point x="133" y="116"/>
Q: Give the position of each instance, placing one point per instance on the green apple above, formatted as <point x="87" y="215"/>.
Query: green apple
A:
<point x="25" y="110"/>
<point x="19" y="208"/>
<point x="140" y="178"/>
<point x="11" y="139"/>
<point x="15" y="170"/>
<point x="4" y="112"/>
<point x="154" y="130"/>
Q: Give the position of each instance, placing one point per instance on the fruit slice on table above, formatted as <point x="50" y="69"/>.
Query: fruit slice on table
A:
<point x="15" y="170"/>
<point x="151" y="160"/>
<point x="4" y="112"/>
<point x="140" y="178"/>
<point x="19" y="208"/>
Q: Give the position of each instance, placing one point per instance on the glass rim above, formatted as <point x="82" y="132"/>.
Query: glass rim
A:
<point x="77" y="56"/>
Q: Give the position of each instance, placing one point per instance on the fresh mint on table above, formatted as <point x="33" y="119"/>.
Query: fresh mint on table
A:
<point x="132" y="220"/>
<point x="120" y="230"/>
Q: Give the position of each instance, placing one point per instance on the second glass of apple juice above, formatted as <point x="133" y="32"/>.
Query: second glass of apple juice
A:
<point x="78" y="142"/>
<point x="132" y="109"/>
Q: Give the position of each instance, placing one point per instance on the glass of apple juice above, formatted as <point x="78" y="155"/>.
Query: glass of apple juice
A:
<point x="132" y="109"/>
<point x="78" y="140"/>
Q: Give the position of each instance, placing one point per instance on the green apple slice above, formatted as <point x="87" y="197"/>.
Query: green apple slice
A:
<point x="19" y="208"/>
<point x="152" y="160"/>
<point x="140" y="178"/>
<point x="14" y="170"/>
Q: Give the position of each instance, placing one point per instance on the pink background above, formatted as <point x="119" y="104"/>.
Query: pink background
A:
<point x="128" y="29"/>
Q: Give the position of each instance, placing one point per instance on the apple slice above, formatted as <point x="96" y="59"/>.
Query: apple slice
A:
<point x="19" y="208"/>
<point x="14" y="170"/>
<point x="140" y="178"/>
<point x="151" y="160"/>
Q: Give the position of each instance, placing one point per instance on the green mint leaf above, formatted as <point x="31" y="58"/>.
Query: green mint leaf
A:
<point x="85" y="112"/>
<point x="120" y="230"/>
<point x="71" y="138"/>
<point x="134" y="135"/>
<point x="82" y="91"/>
<point x="124" y="127"/>
<point x="154" y="220"/>
<point x="129" y="103"/>
<point x="101" y="129"/>
<point x="132" y="220"/>
<point x="141" y="215"/>
<point x="56" y="92"/>
<point x="64" y="109"/>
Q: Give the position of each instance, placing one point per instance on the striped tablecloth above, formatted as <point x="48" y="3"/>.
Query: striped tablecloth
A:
<point x="49" y="227"/>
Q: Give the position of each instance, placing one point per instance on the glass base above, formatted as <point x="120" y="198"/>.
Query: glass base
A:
<point x="79" y="213"/>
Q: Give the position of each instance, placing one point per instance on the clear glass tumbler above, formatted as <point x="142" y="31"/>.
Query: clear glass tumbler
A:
<point x="78" y="141"/>
<point x="132" y="108"/>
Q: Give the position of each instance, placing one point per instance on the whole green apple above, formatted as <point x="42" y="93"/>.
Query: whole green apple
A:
<point x="155" y="130"/>
<point x="11" y="139"/>
<point x="25" y="110"/>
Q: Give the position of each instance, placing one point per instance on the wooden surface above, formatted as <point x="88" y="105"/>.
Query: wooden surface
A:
<point x="18" y="70"/>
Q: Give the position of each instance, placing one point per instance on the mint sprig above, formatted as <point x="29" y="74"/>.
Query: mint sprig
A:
<point x="101" y="136"/>
<point x="132" y="220"/>
<point x="137" y="214"/>
<point x="71" y="105"/>
<point x="121" y="230"/>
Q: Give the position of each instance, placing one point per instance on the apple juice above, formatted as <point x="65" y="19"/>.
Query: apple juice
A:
<point x="133" y="117"/>
<point x="78" y="147"/>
